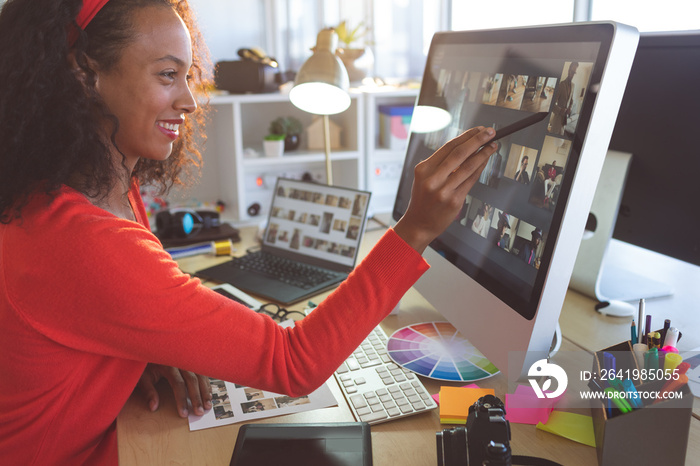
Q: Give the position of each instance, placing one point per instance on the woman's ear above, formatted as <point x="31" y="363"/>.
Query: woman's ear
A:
<point x="79" y="71"/>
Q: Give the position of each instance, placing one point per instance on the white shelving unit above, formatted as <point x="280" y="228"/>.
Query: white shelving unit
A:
<point x="383" y="165"/>
<point x="235" y="170"/>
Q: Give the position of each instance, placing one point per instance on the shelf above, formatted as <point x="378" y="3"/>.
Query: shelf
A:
<point x="301" y="157"/>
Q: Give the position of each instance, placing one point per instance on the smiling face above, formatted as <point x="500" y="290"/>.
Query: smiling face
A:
<point x="147" y="89"/>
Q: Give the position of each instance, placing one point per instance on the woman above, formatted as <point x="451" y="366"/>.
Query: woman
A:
<point x="95" y="99"/>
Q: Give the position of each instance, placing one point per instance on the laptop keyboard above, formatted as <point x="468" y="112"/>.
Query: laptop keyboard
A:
<point x="376" y="388"/>
<point x="285" y="270"/>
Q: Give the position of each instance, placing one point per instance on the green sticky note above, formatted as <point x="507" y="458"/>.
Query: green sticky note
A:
<point x="576" y="427"/>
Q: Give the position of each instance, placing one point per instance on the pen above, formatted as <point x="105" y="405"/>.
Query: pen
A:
<point x="640" y="338"/>
<point x="648" y="327"/>
<point x="518" y="125"/>
<point x="667" y="325"/>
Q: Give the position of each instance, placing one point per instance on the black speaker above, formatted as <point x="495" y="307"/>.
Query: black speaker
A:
<point x="184" y="223"/>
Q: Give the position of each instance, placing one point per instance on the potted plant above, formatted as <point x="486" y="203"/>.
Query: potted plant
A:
<point x="273" y="145"/>
<point x="291" y="128"/>
<point x="354" y="51"/>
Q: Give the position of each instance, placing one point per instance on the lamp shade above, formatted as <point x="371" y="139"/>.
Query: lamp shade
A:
<point x="322" y="83"/>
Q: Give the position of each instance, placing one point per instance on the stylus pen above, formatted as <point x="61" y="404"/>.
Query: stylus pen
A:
<point x="518" y="125"/>
<point x="640" y="333"/>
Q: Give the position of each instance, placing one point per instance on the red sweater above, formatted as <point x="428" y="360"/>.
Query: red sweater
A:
<point x="87" y="299"/>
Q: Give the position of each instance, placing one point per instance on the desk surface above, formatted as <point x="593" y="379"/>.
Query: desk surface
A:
<point x="147" y="438"/>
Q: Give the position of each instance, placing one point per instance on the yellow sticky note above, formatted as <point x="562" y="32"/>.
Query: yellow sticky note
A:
<point x="455" y="401"/>
<point x="576" y="427"/>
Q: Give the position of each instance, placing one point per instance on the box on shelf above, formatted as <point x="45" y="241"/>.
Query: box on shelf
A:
<point x="657" y="431"/>
<point x="394" y="122"/>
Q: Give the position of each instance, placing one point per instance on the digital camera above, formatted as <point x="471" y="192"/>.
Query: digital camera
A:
<point x="484" y="440"/>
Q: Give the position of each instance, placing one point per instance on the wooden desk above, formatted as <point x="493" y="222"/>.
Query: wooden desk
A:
<point x="147" y="438"/>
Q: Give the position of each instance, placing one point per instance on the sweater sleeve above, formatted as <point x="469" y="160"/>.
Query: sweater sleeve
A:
<point x="108" y="287"/>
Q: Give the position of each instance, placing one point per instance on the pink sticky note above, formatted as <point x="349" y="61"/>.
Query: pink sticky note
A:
<point x="436" y="397"/>
<point x="523" y="406"/>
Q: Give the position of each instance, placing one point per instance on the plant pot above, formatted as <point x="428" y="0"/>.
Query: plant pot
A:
<point x="291" y="142"/>
<point x="273" y="148"/>
<point x="358" y="62"/>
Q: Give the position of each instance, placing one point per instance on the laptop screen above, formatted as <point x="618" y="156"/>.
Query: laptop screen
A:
<point x="316" y="220"/>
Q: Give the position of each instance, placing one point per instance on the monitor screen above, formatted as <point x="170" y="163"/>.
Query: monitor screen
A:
<point x="657" y="124"/>
<point x="504" y="238"/>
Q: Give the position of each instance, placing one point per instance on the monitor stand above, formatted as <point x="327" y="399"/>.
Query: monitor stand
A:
<point x="596" y="272"/>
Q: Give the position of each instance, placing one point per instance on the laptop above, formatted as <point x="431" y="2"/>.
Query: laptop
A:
<point x="310" y="244"/>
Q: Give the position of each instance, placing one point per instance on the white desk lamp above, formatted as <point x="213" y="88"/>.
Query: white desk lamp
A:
<point x="321" y="87"/>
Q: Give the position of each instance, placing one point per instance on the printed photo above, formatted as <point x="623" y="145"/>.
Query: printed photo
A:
<point x="253" y="394"/>
<point x="223" y="411"/>
<point x="258" y="405"/>
<point x="287" y="401"/>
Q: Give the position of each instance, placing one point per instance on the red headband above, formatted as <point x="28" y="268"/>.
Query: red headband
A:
<point x="89" y="10"/>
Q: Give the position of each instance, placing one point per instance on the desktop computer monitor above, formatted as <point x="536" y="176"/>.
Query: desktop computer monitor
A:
<point x="662" y="98"/>
<point x="500" y="272"/>
<point x="648" y="182"/>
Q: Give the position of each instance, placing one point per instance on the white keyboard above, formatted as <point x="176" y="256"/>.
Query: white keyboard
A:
<point x="376" y="388"/>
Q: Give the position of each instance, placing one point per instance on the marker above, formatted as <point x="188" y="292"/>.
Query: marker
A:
<point x="640" y="338"/>
<point x="671" y="361"/>
<point x="647" y="329"/>
<point x="672" y="337"/>
<point x="639" y="350"/>
<point x="518" y="125"/>
<point x="632" y="393"/>
<point x="656" y="339"/>
<point x="616" y="397"/>
<point x="671" y="386"/>
<point x="651" y="359"/>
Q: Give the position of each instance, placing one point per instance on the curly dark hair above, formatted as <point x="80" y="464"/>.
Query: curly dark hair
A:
<point x="51" y="121"/>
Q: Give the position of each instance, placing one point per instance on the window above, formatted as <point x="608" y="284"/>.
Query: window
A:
<point x="649" y="15"/>
<point x="510" y="13"/>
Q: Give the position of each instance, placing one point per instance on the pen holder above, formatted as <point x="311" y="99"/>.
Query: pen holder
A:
<point x="640" y="436"/>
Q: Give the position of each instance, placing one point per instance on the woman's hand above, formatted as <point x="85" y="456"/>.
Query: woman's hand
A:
<point x="185" y="385"/>
<point x="440" y="186"/>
